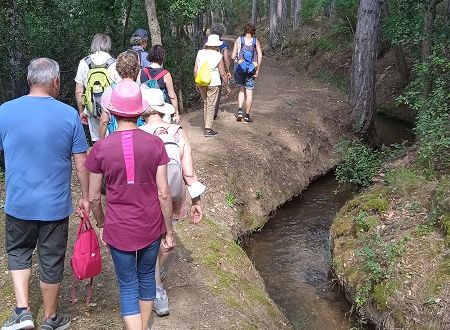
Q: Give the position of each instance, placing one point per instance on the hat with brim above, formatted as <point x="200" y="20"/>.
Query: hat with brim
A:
<point x="154" y="97"/>
<point x="125" y="100"/>
<point x="214" y="41"/>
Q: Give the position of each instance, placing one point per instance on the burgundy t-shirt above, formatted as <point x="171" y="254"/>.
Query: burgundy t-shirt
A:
<point x="129" y="161"/>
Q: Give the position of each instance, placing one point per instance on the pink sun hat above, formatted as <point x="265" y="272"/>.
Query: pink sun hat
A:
<point x="124" y="100"/>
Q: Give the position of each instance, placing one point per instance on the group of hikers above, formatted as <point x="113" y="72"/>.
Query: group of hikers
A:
<point x="140" y="154"/>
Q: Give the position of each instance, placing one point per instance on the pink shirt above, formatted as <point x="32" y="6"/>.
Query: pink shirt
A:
<point x="129" y="161"/>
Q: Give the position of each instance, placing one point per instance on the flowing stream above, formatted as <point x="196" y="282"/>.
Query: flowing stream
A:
<point x="292" y="251"/>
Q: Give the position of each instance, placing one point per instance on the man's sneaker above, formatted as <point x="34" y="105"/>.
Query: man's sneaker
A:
<point x="239" y="116"/>
<point x="248" y="120"/>
<point x="161" y="305"/>
<point x="62" y="322"/>
<point x="210" y="133"/>
<point x="22" y="321"/>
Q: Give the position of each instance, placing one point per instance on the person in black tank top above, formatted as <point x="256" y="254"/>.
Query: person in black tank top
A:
<point x="157" y="55"/>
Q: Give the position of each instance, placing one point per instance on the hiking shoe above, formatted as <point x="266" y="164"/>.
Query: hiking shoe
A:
<point x="161" y="304"/>
<point x="210" y="133"/>
<point x="239" y="116"/>
<point x="248" y="120"/>
<point x="23" y="320"/>
<point x="62" y="322"/>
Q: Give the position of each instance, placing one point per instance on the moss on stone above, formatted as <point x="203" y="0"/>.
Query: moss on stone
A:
<point x="445" y="221"/>
<point x="382" y="292"/>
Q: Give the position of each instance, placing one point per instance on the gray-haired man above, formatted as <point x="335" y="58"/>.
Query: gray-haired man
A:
<point x="38" y="189"/>
<point x="100" y="48"/>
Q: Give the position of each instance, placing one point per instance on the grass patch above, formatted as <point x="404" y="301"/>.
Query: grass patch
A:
<point x="335" y="80"/>
<point x="404" y="182"/>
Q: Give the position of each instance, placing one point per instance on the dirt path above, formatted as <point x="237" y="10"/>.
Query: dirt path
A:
<point x="250" y="169"/>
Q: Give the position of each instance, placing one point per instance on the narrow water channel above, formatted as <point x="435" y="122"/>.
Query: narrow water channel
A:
<point x="292" y="251"/>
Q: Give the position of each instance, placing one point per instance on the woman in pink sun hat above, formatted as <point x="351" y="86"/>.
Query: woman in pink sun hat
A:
<point x="138" y="204"/>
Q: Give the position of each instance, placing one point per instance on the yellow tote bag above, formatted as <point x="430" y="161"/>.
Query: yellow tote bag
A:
<point x="203" y="77"/>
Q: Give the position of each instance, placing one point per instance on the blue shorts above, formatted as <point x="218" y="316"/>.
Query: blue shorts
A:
<point x="244" y="79"/>
<point x="135" y="272"/>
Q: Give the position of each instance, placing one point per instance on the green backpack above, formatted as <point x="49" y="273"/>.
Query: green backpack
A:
<point x="98" y="80"/>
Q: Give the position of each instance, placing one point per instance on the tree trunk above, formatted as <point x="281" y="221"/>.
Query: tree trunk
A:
<point x="16" y="50"/>
<point x="254" y="11"/>
<point x="330" y="10"/>
<point x="296" y="10"/>
<point x="448" y="13"/>
<point x="277" y="21"/>
<point x="427" y="42"/>
<point x="126" y="22"/>
<point x="430" y="16"/>
<point x="153" y="24"/>
<point x="363" y="77"/>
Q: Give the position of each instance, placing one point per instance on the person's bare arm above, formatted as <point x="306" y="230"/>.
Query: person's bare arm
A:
<point x="95" y="197"/>
<point x="165" y="201"/>
<point x="224" y="76"/>
<point x="226" y="60"/>
<point x="104" y="121"/>
<point x="79" y="90"/>
<point x="235" y="49"/>
<point x="83" y="179"/>
<point x="189" y="175"/>
<point x="172" y="95"/>
<point x="260" y="57"/>
<point x="187" y="163"/>
<point x="195" y="69"/>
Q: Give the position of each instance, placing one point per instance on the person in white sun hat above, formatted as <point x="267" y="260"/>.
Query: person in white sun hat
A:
<point x="176" y="142"/>
<point x="210" y="94"/>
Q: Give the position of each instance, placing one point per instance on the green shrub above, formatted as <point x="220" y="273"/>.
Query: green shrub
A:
<point x="433" y="121"/>
<point x="359" y="163"/>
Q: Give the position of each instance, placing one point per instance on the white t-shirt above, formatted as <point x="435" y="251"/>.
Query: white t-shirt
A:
<point x="213" y="59"/>
<point x="98" y="58"/>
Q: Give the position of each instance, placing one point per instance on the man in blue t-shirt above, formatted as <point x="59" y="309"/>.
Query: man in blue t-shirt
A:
<point x="39" y="136"/>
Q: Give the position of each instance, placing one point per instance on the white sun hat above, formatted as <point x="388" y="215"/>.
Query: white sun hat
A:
<point x="155" y="99"/>
<point x="214" y="41"/>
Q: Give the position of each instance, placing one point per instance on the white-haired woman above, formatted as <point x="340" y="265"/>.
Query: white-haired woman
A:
<point x="100" y="57"/>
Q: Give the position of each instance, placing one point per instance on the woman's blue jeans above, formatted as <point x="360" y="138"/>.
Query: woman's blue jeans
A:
<point x="135" y="272"/>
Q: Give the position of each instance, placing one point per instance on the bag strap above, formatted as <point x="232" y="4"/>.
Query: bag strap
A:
<point x="147" y="72"/>
<point x="160" y="127"/>
<point x="161" y="74"/>
<point x="90" y="290"/>
<point x="85" y="224"/>
<point x="90" y="63"/>
<point x="173" y="131"/>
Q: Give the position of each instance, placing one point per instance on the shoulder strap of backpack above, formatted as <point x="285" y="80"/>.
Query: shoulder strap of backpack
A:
<point x="254" y="42"/>
<point x="173" y="130"/>
<point x="161" y="74"/>
<point x="160" y="127"/>
<point x="147" y="72"/>
<point x="109" y="62"/>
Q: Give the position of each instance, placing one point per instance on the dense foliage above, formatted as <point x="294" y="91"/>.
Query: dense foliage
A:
<point x="63" y="30"/>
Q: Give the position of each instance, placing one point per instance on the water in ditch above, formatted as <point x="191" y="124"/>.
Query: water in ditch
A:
<point x="292" y="251"/>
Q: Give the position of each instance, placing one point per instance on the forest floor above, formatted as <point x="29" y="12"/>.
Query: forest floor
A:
<point x="250" y="170"/>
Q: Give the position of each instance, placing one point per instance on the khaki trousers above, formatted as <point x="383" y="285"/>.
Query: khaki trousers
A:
<point x="210" y="96"/>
